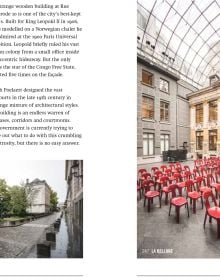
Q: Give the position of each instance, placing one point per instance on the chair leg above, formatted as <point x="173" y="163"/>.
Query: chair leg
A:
<point x="187" y="208"/>
<point x="218" y="228"/>
<point x="166" y="198"/>
<point x="160" y="200"/>
<point x="210" y="219"/>
<point x="202" y="202"/>
<point x="205" y="220"/>
<point x="170" y="208"/>
<point x="148" y="204"/>
<point x="194" y="206"/>
<point x="177" y="215"/>
<point x="144" y="201"/>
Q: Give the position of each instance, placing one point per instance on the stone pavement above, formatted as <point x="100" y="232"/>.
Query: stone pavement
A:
<point x="17" y="242"/>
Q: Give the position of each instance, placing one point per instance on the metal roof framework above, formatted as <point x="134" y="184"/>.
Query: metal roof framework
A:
<point x="182" y="36"/>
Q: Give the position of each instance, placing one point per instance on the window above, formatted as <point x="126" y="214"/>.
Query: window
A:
<point x="213" y="140"/>
<point x="164" y="111"/>
<point x="147" y="108"/>
<point x="147" y="78"/>
<point x="213" y="111"/>
<point x="199" y="140"/>
<point x="164" y="142"/>
<point x="199" y="113"/>
<point x="164" y="85"/>
<point x="148" y="144"/>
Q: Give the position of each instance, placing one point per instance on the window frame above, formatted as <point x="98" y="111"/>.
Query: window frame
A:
<point x="168" y="85"/>
<point x="144" y="107"/>
<point x="199" y="110"/>
<point x="215" y="111"/>
<point x="164" y="111"/>
<point x="164" y="142"/>
<point x="214" y="135"/>
<point x="147" y="139"/>
<point x="150" y="75"/>
<point x="198" y="140"/>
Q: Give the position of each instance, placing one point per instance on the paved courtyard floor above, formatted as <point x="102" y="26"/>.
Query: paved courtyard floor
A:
<point x="159" y="236"/>
<point x="17" y="242"/>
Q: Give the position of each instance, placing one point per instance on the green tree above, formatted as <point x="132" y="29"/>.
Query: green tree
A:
<point x="18" y="201"/>
<point x="4" y="198"/>
<point x="53" y="200"/>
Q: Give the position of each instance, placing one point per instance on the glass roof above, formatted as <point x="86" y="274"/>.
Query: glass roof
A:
<point x="182" y="36"/>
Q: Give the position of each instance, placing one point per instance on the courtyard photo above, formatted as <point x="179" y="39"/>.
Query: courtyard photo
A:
<point x="41" y="209"/>
<point x="178" y="129"/>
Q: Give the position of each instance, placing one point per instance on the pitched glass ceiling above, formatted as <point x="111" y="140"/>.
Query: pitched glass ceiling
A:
<point x="182" y="36"/>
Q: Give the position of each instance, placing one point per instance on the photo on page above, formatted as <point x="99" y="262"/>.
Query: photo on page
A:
<point x="41" y="209"/>
<point x="178" y="132"/>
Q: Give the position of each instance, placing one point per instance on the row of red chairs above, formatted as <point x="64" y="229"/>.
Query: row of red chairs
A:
<point x="175" y="178"/>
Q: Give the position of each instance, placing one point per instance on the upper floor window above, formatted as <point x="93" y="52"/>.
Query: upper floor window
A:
<point x="147" y="78"/>
<point x="164" y="85"/>
<point x="213" y="110"/>
<point x="148" y="144"/>
<point x="147" y="108"/>
<point x="164" y="142"/>
<point x="199" y="140"/>
<point x="213" y="140"/>
<point x="164" y="111"/>
<point x="199" y="113"/>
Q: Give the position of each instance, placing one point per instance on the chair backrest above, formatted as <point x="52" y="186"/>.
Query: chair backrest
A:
<point x="177" y="177"/>
<point x="168" y="171"/>
<point x="209" y="197"/>
<point x="187" y="174"/>
<point x="210" y="179"/>
<point x="147" y="184"/>
<point x="172" y="188"/>
<point x="186" y="167"/>
<point x="172" y="166"/>
<point x="199" y="180"/>
<point x="164" y="180"/>
<point x="153" y="169"/>
<point x="163" y="167"/>
<point x="189" y="185"/>
<point x="141" y="172"/>
<point x="158" y="173"/>
<point x="146" y="175"/>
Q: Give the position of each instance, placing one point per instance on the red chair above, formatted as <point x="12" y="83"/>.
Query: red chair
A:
<point x="215" y="186"/>
<point x="199" y="182"/>
<point x="192" y="194"/>
<point x="141" y="171"/>
<point x="153" y="170"/>
<point x="146" y="176"/>
<point x="180" y="185"/>
<point x="165" y="189"/>
<point x="163" y="168"/>
<point x="178" y="202"/>
<point x="158" y="174"/>
<point x="172" y="166"/>
<point x="168" y="172"/>
<point x="139" y="189"/>
<point x="162" y="182"/>
<point x="210" y="179"/>
<point x="186" y="168"/>
<point x="150" y="195"/>
<point x="187" y="175"/>
<point x="212" y="212"/>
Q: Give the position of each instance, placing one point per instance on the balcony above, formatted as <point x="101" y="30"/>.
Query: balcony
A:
<point x="198" y="126"/>
<point x="212" y="124"/>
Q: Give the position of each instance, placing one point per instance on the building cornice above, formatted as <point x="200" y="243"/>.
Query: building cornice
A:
<point x="157" y="67"/>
